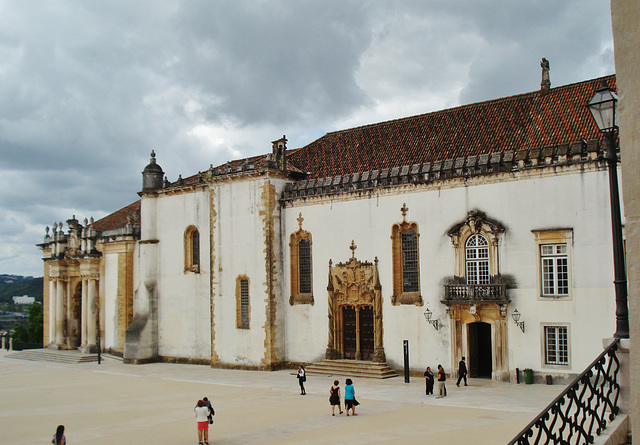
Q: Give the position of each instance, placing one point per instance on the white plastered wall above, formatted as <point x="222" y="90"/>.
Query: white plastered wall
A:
<point x="578" y="201"/>
<point x="183" y="297"/>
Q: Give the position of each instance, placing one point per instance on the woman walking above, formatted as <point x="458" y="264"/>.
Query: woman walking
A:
<point x="302" y="377"/>
<point x="202" y="413"/>
<point x="334" y="399"/>
<point x="58" y="437"/>
<point x="442" y="377"/>
<point x="350" y="398"/>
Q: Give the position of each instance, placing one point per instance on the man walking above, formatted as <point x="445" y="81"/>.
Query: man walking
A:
<point x="462" y="372"/>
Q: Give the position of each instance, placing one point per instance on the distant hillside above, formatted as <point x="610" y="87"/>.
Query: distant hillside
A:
<point x="16" y="285"/>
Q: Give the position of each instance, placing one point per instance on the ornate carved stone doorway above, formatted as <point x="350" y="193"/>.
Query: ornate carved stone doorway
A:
<point x="355" y="311"/>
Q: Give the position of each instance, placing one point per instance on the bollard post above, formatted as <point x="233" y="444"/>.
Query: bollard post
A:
<point x="10" y="344"/>
<point x="406" y="360"/>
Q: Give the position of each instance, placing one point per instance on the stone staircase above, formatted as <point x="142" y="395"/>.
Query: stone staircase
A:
<point x="51" y="355"/>
<point x="352" y="368"/>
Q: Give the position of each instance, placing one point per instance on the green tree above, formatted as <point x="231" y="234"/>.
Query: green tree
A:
<point x="32" y="332"/>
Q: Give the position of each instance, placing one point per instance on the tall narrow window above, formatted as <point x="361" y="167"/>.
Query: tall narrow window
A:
<point x="556" y="345"/>
<point x="555" y="269"/>
<point x="243" y="302"/>
<point x="477" y="259"/>
<point x="192" y="250"/>
<point x="406" y="261"/>
<point x="195" y="248"/>
<point x="410" y="261"/>
<point x="304" y="266"/>
<point x="300" y="246"/>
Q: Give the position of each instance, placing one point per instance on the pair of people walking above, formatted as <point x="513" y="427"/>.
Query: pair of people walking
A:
<point x="350" y="401"/>
<point x="204" y="416"/>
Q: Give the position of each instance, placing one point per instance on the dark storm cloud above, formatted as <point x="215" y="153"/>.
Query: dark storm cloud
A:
<point x="89" y="88"/>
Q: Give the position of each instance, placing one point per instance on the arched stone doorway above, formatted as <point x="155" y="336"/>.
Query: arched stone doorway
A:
<point x="355" y="311"/>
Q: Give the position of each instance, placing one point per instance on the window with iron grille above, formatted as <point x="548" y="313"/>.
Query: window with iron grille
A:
<point x="477" y="259"/>
<point x="556" y="345"/>
<point x="244" y="303"/>
<point x="410" y="261"/>
<point x="304" y="266"/>
<point x="555" y="269"/>
<point x="195" y="248"/>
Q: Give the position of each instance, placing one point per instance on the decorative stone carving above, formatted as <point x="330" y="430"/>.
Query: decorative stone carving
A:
<point x="354" y="284"/>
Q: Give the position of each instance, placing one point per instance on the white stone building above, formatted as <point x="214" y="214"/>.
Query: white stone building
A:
<point x="24" y="299"/>
<point x="337" y="249"/>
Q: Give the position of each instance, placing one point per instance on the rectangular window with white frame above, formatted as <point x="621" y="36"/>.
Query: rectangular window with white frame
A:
<point x="553" y="252"/>
<point x="556" y="345"/>
<point x="555" y="269"/>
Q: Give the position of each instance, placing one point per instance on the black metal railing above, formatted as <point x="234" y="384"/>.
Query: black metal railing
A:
<point x="581" y="411"/>
<point x="475" y="292"/>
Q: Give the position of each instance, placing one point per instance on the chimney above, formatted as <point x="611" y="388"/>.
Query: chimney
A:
<point x="545" y="85"/>
<point x="279" y="149"/>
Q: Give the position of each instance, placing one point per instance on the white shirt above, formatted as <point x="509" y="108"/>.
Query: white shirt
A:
<point x="201" y="413"/>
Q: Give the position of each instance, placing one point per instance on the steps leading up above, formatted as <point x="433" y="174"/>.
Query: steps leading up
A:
<point x="352" y="368"/>
<point x="51" y="355"/>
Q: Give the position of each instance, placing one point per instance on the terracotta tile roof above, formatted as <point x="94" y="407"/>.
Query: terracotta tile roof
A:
<point x="237" y="165"/>
<point x="508" y="124"/>
<point x="119" y="218"/>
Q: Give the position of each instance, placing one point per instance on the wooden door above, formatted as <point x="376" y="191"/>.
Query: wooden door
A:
<point x="366" y="332"/>
<point x="349" y="331"/>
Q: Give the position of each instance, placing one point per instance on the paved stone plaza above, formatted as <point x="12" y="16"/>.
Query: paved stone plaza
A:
<point x="114" y="403"/>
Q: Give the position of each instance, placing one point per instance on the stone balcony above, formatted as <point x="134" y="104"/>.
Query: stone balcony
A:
<point x="475" y="294"/>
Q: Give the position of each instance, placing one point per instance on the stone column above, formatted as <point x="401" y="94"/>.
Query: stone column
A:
<point x="91" y="313"/>
<point x="52" y="310"/>
<point x="60" y="295"/>
<point x="83" y="315"/>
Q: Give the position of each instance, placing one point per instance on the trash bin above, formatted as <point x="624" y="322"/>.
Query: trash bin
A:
<point x="528" y="376"/>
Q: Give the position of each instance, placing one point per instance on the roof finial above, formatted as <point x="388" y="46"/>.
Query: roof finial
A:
<point x="546" y="81"/>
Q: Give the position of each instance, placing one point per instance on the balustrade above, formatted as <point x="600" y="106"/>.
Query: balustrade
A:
<point x="581" y="411"/>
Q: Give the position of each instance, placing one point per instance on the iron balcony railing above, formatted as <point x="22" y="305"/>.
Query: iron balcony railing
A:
<point x="582" y="409"/>
<point x="475" y="292"/>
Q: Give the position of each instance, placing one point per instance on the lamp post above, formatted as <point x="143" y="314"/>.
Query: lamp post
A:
<point x="603" y="107"/>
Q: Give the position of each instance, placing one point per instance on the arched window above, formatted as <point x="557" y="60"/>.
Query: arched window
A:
<point x="300" y="246"/>
<point x="476" y="243"/>
<point x="243" y="302"/>
<point x="192" y="250"/>
<point x="406" y="264"/>
<point x="477" y="259"/>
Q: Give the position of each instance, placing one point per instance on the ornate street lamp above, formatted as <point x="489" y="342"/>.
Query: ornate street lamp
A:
<point x="516" y="319"/>
<point x="604" y="107"/>
<point x="427" y="315"/>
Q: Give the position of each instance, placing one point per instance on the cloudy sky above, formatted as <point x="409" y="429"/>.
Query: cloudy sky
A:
<point x="89" y="88"/>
